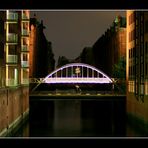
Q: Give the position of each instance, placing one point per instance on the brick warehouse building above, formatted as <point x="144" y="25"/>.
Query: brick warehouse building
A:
<point x="137" y="68"/>
<point x="14" y="69"/>
<point x="41" y="60"/>
<point x="111" y="46"/>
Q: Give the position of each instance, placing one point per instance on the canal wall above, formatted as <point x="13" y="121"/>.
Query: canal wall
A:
<point x="137" y="113"/>
<point x="14" y="108"/>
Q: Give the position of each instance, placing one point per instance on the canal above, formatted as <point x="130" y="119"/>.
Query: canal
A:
<point x="77" y="116"/>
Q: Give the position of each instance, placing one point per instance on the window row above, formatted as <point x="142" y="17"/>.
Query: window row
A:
<point x="13" y="75"/>
<point x="143" y="87"/>
<point x="131" y="71"/>
<point x="142" y="70"/>
<point x="133" y="51"/>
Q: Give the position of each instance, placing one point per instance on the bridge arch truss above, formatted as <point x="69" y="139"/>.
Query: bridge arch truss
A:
<point x="76" y="73"/>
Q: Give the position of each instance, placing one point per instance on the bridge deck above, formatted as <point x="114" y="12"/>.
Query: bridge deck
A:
<point x="46" y="96"/>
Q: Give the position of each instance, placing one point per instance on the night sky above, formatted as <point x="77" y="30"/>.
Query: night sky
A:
<point x="70" y="31"/>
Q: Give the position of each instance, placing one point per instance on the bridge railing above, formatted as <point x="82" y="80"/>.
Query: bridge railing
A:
<point x="69" y="80"/>
<point x="119" y="84"/>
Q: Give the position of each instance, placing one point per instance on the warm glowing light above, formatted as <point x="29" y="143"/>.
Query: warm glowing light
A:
<point x="79" y="65"/>
<point x="77" y="80"/>
<point x="100" y="80"/>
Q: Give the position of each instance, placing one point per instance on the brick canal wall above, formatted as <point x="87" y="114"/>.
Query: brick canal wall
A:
<point x="14" y="107"/>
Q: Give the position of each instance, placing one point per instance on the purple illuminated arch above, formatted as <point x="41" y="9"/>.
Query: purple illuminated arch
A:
<point x="108" y="79"/>
<point x="79" y="64"/>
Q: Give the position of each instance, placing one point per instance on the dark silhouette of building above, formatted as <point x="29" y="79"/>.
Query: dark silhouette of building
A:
<point x="41" y="56"/>
<point x="62" y="60"/>
<point x="111" y="46"/>
<point x="87" y="56"/>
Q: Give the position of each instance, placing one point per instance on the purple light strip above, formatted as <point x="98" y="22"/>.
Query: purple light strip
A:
<point x="77" y="80"/>
<point x="78" y="64"/>
<point x="107" y="80"/>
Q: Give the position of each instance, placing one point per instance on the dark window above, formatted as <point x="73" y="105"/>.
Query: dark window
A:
<point x="146" y="69"/>
<point x="146" y="50"/>
<point x="1" y="27"/>
<point x="1" y="50"/>
<point x="146" y="26"/>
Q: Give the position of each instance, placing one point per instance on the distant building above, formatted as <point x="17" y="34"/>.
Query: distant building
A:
<point x="87" y="56"/>
<point x="137" y="68"/>
<point x="14" y="68"/>
<point x="111" y="46"/>
<point x="62" y="60"/>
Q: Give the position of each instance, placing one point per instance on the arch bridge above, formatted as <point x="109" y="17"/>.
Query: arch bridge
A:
<point x="74" y="73"/>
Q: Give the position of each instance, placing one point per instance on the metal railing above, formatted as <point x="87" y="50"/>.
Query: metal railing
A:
<point x="11" y="59"/>
<point x="69" y="80"/>
<point x="11" y="82"/>
<point x="25" y="17"/>
<point x="25" y="81"/>
<point x="12" y="38"/>
<point x="25" y="48"/>
<point x="25" y="63"/>
<point x="12" y="16"/>
<point x="25" y="32"/>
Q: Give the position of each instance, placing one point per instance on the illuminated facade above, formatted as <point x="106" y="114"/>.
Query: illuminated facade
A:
<point x="14" y="66"/>
<point x="32" y="46"/>
<point x="137" y="66"/>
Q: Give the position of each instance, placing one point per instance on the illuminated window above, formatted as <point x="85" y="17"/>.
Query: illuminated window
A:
<point x="25" y="28"/>
<point x="25" y="60"/>
<point x="12" y="57"/>
<point x="12" y="16"/>
<point x="12" y="76"/>
<point x="25" y="76"/>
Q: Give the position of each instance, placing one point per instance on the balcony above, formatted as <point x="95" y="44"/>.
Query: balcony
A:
<point x="25" y="63"/>
<point x="11" y="59"/>
<point x="25" y="48"/>
<point x="12" y="38"/>
<point x="12" y="16"/>
<point x="25" y="81"/>
<point x="25" y="17"/>
<point x="25" y="32"/>
<point x="11" y="82"/>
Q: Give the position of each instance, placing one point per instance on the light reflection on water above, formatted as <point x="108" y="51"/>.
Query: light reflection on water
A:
<point x="77" y="118"/>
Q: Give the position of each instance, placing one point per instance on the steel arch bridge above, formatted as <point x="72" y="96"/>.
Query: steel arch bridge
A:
<point x="75" y="73"/>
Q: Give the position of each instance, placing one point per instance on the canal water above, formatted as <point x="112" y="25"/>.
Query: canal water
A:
<point x="77" y="117"/>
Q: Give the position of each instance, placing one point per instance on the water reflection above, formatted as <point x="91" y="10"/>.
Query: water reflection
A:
<point x="77" y="118"/>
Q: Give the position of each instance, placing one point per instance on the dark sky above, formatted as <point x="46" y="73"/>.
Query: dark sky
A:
<point x="70" y="31"/>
